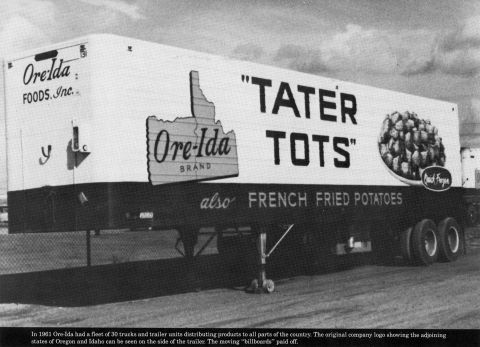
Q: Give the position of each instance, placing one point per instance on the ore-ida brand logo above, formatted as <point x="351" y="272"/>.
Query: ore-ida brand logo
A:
<point x="47" y="81"/>
<point x="30" y="75"/>
<point x="194" y="148"/>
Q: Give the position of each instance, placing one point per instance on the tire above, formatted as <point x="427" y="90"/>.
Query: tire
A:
<point x="268" y="286"/>
<point x="450" y="239"/>
<point x="472" y="215"/>
<point x="406" y="246"/>
<point x="425" y="245"/>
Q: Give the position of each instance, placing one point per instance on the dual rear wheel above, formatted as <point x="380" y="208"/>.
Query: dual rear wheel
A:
<point x="426" y="243"/>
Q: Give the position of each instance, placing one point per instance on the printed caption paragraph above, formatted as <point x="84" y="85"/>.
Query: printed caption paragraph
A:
<point x="222" y="337"/>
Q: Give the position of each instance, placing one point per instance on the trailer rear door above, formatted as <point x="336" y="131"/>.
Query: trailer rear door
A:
<point x="46" y="95"/>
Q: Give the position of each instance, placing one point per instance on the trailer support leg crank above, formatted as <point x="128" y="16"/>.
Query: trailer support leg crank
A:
<point x="262" y="284"/>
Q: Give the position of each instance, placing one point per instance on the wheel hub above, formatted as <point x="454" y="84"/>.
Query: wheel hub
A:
<point x="453" y="239"/>
<point x="430" y="242"/>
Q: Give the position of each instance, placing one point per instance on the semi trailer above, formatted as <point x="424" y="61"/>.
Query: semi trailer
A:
<point x="105" y="131"/>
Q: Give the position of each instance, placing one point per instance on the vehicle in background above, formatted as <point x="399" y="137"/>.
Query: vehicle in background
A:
<point x="4" y="214"/>
<point x="471" y="183"/>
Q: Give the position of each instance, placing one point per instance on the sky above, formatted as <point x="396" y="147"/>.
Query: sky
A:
<point x="429" y="48"/>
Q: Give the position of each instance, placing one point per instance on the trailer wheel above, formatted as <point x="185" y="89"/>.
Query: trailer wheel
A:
<point x="253" y="288"/>
<point x="406" y="245"/>
<point x="472" y="215"/>
<point x="450" y="240"/>
<point x="425" y="242"/>
<point x="268" y="286"/>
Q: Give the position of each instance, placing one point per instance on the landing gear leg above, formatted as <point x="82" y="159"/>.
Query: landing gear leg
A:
<point x="262" y="284"/>
<point x="189" y="238"/>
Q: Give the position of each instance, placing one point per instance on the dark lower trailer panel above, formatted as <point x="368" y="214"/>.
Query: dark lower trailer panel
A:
<point x="121" y="205"/>
<point x="327" y="221"/>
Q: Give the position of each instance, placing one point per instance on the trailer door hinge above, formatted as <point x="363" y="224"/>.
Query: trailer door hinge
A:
<point x="83" y="51"/>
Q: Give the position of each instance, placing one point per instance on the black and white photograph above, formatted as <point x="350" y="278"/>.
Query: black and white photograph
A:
<point x="257" y="172"/>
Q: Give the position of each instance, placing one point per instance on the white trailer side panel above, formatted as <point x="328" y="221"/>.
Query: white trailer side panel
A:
<point x="130" y="80"/>
<point x="153" y="79"/>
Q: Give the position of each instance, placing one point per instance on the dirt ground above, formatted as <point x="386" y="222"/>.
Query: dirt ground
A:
<point x="444" y="295"/>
